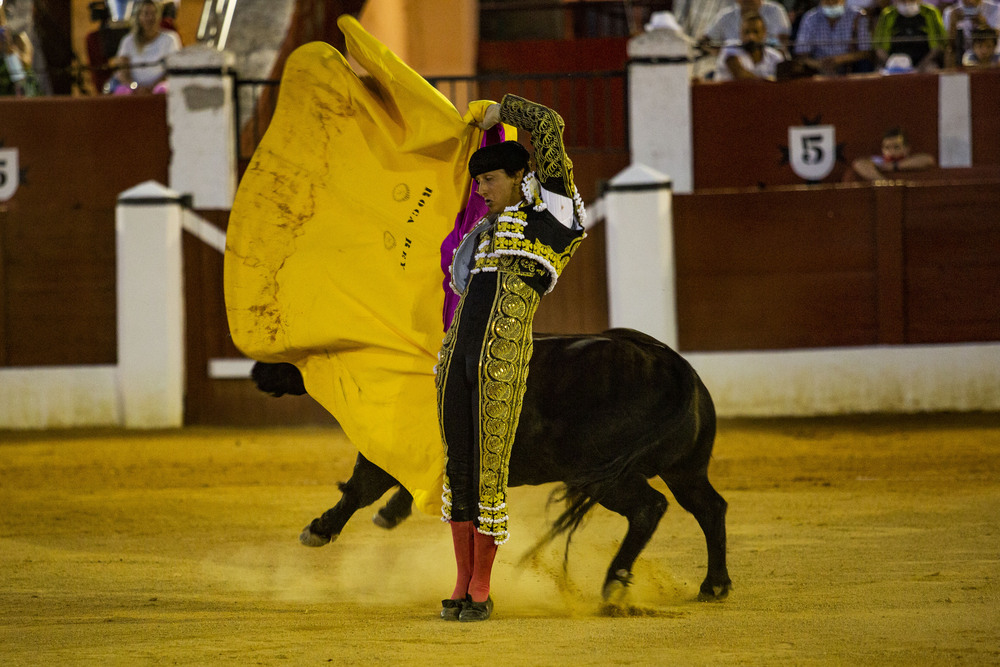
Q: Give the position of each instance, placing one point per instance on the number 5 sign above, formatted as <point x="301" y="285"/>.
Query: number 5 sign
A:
<point x="812" y="151"/>
<point x="9" y="174"/>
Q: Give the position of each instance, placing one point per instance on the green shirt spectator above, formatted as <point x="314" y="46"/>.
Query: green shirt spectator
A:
<point x="912" y="28"/>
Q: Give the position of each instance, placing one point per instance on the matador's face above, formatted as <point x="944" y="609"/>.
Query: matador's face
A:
<point x="499" y="190"/>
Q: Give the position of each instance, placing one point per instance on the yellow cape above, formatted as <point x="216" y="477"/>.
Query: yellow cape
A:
<point x="332" y="253"/>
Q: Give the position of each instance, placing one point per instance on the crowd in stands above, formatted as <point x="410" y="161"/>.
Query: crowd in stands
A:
<point x="125" y="54"/>
<point x="759" y="39"/>
<point x="768" y="39"/>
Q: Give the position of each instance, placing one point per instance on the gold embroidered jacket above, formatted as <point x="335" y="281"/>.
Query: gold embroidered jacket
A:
<point x="528" y="240"/>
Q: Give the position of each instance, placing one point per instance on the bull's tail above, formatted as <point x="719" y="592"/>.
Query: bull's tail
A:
<point x="578" y="500"/>
<point x="578" y="504"/>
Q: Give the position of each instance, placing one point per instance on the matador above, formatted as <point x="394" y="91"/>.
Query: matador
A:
<point x="501" y="269"/>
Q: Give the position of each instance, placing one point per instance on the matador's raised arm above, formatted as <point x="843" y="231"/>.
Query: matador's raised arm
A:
<point x="554" y="168"/>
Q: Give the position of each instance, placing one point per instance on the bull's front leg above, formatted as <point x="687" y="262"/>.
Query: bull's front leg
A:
<point x="399" y="507"/>
<point x="367" y="484"/>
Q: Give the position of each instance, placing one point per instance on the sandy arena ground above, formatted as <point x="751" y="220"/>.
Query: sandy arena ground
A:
<point x="863" y="541"/>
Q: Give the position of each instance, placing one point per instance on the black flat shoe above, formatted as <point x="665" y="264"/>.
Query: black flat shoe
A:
<point x="451" y="610"/>
<point x="476" y="611"/>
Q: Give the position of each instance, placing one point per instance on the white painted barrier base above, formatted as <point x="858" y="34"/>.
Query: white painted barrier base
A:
<point x="59" y="397"/>
<point x="925" y="378"/>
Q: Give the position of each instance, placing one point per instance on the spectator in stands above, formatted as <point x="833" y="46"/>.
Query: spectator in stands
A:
<point x="169" y="20"/>
<point x="750" y="58"/>
<point x="912" y="29"/>
<point x="834" y="39"/>
<point x="17" y="78"/>
<point x="896" y="157"/>
<point x="983" y="52"/>
<point x="102" y="43"/>
<point x="140" y="58"/>
<point x="965" y="17"/>
<point x="728" y="23"/>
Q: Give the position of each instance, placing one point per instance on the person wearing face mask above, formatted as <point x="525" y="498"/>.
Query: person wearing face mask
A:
<point x="834" y="39"/>
<point x="750" y="58"/>
<point x="914" y="29"/>
<point x="964" y="18"/>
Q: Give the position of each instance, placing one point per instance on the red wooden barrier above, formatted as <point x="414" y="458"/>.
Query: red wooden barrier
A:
<point x="57" y="261"/>
<point x="800" y="267"/>
<point x="740" y="134"/>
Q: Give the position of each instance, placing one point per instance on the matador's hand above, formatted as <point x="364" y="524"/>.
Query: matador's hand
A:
<point x="491" y="118"/>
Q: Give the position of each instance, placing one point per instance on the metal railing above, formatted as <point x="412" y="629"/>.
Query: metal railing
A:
<point x="255" y="102"/>
<point x="216" y="21"/>
<point x="593" y="104"/>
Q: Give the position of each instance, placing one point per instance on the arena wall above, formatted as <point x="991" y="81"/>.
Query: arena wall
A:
<point x="791" y="299"/>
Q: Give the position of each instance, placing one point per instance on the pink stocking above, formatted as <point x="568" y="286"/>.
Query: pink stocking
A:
<point x="485" y="552"/>
<point x="461" y="537"/>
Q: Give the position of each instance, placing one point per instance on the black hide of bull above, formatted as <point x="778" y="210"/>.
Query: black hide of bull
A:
<point x="602" y="414"/>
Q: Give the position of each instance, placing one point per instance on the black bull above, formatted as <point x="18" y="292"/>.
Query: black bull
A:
<point x="602" y="414"/>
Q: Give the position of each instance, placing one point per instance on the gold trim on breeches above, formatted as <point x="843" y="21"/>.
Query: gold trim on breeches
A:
<point x="502" y="376"/>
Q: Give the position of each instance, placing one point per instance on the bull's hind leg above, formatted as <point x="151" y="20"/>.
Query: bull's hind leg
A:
<point x="367" y="484"/>
<point x="697" y="496"/>
<point x="643" y="506"/>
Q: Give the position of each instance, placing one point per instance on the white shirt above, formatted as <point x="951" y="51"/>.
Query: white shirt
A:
<point x="766" y="69"/>
<point x="147" y="64"/>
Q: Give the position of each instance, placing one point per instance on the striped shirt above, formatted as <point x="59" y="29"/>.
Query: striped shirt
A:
<point x="818" y="39"/>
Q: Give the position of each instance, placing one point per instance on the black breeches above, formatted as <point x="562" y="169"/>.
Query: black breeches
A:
<point x="459" y="401"/>
<point x="481" y="380"/>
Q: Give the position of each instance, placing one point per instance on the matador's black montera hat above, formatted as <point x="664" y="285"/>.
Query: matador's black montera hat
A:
<point x="507" y="155"/>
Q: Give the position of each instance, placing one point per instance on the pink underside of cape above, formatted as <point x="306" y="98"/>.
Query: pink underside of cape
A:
<point x="473" y="212"/>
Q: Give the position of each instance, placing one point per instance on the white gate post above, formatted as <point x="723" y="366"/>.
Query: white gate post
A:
<point x="639" y="229"/>
<point x="149" y="275"/>
<point x="659" y="83"/>
<point x="201" y="116"/>
<point x="954" y="120"/>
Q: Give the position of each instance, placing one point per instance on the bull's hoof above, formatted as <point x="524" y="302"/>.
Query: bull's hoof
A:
<point x="311" y="539"/>
<point x="714" y="592"/>
<point x="616" y="586"/>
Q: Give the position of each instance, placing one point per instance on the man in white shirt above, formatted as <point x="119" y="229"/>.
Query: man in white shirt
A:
<point x="750" y="58"/>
